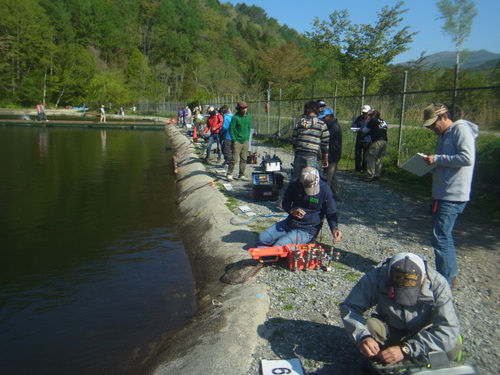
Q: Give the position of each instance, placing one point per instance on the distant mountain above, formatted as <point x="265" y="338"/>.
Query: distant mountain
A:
<point x="468" y="59"/>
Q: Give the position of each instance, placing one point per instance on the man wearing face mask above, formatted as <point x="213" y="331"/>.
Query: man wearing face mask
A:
<point x="414" y="312"/>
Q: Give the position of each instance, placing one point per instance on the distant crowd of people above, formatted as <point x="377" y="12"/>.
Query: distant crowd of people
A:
<point x="412" y="302"/>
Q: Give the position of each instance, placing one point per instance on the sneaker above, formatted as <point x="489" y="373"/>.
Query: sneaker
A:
<point x="243" y="178"/>
<point x="230" y="177"/>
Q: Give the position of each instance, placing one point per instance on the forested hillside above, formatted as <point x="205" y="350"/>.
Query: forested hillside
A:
<point x="70" y="52"/>
<point x="101" y="50"/>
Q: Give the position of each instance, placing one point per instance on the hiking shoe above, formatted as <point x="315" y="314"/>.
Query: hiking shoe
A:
<point x="243" y="178"/>
<point x="230" y="177"/>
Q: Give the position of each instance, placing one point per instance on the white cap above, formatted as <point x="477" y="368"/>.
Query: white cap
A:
<point x="366" y="109"/>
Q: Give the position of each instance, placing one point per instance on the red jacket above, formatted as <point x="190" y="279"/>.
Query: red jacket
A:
<point x="214" y="123"/>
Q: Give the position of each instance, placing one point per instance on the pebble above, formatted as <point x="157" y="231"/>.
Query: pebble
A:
<point x="376" y="223"/>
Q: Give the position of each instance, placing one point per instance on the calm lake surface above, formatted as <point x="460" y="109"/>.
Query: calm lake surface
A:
<point x="93" y="275"/>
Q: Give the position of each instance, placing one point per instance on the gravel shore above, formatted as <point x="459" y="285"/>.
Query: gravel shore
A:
<point x="304" y="320"/>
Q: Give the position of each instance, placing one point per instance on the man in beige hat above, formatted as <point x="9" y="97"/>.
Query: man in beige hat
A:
<point x="240" y="130"/>
<point x="454" y="159"/>
<point x="308" y="200"/>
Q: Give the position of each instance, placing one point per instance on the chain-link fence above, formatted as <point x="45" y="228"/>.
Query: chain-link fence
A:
<point x="480" y="105"/>
<point x="403" y="112"/>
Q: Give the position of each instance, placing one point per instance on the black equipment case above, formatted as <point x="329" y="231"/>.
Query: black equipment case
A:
<point x="265" y="187"/>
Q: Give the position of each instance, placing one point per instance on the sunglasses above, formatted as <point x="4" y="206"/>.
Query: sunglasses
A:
<point x="434" y="123"/>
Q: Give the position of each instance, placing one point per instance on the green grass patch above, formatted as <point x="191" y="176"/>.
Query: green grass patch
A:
<point x="352" y="276"/>
<point x="232" y="203"/>
<point x="484" y="206"/>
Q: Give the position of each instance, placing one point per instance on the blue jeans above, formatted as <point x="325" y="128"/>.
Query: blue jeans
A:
<point x="280" y="234"/>
<point x="444" y="215"/>
<point x="214" y="138"/>
<point x="302" y="161"/>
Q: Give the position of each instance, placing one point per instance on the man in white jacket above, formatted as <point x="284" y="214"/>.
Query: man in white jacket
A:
<point x="454" y="159"/>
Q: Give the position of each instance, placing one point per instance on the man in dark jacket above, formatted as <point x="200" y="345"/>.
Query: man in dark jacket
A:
<point x="334" y="149"/>
<point x="377" y="129"/>
<point x="362" y="140"/>
<point x="308" y="200"/>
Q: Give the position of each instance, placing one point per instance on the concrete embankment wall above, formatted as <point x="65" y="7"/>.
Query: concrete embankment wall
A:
<point x="219" y="339"/>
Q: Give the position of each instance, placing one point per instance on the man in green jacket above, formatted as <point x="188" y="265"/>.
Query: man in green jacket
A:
<point x="240" y="128"/>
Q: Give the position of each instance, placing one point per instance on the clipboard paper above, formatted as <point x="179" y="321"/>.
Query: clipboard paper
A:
<point x="417" y="165"/>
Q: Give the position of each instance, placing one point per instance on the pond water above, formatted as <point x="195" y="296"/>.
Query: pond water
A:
<point x="93" y="275"/>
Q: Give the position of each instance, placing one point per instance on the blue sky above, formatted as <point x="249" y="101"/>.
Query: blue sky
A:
<point x="421" y="16"/>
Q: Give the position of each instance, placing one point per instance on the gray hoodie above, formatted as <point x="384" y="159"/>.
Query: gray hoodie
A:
<point x="433" y="317"/>
<point x="454" y="160"/>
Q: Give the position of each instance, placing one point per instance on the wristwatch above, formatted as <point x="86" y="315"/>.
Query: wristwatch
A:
<point x="405" y="348"/>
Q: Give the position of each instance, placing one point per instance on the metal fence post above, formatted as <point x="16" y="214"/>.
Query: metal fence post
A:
<point x="401" y="118"/>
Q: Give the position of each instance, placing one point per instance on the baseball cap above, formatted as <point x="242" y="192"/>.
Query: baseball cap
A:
<point x="309" y="177"/>
<point x="326" y="112"/>
<point x="366" y="109"/>
<point x="241" y="104"/>
<point x="406" y="273"/>
<point x="432" y="112"/>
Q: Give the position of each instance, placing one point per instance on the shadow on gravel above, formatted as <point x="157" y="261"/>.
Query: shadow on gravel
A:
<point x="356" y="261"/>
<point x="313" y="342"/>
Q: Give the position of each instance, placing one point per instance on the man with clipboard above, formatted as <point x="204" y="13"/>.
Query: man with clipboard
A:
<point x="453" y="160"/>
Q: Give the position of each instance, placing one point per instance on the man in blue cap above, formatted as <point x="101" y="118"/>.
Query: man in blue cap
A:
<point x="334" y="149"/>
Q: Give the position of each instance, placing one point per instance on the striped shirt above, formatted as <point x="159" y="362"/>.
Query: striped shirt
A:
<point x="311" y="135"/>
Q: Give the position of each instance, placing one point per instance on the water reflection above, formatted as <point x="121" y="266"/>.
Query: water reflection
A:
<point x="92" y="272"/>
<point x="103" y="140"/>
<point x="42" y="143"/>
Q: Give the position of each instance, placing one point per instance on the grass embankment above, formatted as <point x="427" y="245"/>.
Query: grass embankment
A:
<point x="484" y="205"/>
